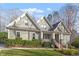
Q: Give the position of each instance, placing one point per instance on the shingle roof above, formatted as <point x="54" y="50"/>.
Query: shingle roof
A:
<point x="54" y="25"/>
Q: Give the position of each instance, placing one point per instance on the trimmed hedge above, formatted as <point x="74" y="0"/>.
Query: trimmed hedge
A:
<point x="18" y="42"/>
<point x="33" y="43"/>
<point x="13" y="42"/>
<point x="46" y="44"/>
<point x="22" y="43"/>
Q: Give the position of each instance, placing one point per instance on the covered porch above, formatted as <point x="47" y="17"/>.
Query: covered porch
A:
<point x="61" y="39"/>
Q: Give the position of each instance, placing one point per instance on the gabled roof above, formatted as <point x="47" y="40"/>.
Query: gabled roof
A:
<point x="66" y="28"/>
<point x="32" y="20"/>
<point x="47" y="21"/>
<point x="19" y="18"/>
<point x="56" y="25"/>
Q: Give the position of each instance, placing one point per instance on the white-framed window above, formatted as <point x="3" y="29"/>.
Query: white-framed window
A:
<point x="46" y="36"/>
<point x="33" y="36"/>
<point x="18" y="34"/>
<point x="43" y="26"/>
<point x="26" y="22"/>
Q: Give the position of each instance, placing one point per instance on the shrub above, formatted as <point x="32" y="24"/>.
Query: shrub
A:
<point x="1" y="40"/>
<point x="46" y="44"/>
<point x="3" y="37"/>
<point x="9" y="42"/>
<point x="23" y="43"/>
<point x="13" y="42"/>
<point x="69" y="52"/>
<point x="18" y="38"/>
<point x="76" y="43"/>
<point x="33" y="43"/>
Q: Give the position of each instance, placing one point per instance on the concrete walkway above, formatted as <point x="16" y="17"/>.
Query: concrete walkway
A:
<point x="27" y="48"/>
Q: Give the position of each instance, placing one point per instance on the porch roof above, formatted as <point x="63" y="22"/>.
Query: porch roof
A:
<point x="54" y="26"/>
<point x="22" y="29"/>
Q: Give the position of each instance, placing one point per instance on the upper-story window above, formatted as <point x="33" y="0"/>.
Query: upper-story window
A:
<point x="26" y="23"/>
<point x="43" y="26"/>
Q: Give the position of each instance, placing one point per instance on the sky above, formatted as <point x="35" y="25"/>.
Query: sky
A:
<point x="54" y="6"/>
<point x="36" y="9"/>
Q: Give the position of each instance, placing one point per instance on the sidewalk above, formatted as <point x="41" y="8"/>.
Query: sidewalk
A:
<point x="27" y="48"/>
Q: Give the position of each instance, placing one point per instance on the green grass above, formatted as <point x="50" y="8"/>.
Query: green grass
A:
<point x="22" y="52"/>
<point x="39" y="52"/>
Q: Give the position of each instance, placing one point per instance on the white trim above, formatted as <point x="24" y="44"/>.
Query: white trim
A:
<point x="16" y="20"/>
<point x="57" y="26"/>
<point x="42" y="18"/>
<point x="62" y="25"/>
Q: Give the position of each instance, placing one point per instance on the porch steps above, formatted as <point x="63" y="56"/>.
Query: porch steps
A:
<point x="58" y="44"/>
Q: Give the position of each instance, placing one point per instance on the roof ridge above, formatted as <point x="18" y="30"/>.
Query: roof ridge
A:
<point x="47" y="21"/>
<point x="32" y="19"/>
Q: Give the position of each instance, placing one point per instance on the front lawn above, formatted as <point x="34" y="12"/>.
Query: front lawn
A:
<point x="22" y="52"/>
<point x="39" y="52"/>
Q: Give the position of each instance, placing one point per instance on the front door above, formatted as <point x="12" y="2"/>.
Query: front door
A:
<point x="57" y="37"/>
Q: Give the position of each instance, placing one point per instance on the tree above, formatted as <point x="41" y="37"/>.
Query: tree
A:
<point x="76" y="42"/>
<point x="69" y="12"/>
<point x="14" y="13"/>
<point x="2" y="23"/>
<point x="8" y="15"/>
<point x="49" y="17"/>
<point x="54" y="17"/>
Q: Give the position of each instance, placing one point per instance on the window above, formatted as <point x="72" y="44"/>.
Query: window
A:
<point x="33" y="35"/>
<point x="26" y="23"/>
<point x="46" y="36"/>
<point x="43" y="26"/>
<point x="18" y="34"/>
<point x="57" y="37"/>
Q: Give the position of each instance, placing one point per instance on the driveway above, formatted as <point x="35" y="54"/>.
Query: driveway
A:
<point x="2" y="45"/>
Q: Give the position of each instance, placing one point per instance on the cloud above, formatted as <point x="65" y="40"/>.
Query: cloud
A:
<point x="37" y="13"/>
<point x="33" y="10"/>
<point x="49" y="9"/>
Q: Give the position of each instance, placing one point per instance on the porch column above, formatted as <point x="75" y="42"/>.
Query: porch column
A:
<point x="28" y="35"/>
<point x="66" y="42"/>
<point x="53" y="36"/>
<point x="66" y="46"/>
<point x="59" y="40"/>
<point x="41" y="35"/>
